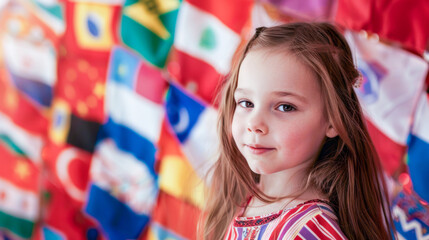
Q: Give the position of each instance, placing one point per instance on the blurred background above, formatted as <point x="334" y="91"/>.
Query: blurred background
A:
<point x="108" y="111"/>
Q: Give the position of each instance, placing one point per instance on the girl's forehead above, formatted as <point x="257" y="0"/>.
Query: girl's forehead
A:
<point x="277" y="74"/>
<point x="281" y="68"/>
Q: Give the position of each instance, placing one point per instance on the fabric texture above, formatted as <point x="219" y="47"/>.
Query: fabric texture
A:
<point x="313" y="219"/>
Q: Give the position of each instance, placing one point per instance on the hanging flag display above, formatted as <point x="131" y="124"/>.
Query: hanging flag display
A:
<point x="108" y="108"/>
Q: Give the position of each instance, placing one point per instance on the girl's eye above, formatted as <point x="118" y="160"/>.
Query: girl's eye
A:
<point x="245" y="104"/>
<point x="286" y="108"/>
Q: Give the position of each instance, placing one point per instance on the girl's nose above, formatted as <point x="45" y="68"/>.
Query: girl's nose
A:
<point x="257" y="125"/>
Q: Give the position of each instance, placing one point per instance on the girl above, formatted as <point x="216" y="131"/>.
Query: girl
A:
<point x="296" y="159"/>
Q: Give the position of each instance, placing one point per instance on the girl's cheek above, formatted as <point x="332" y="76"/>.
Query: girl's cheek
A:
<point x="235" y="127"/>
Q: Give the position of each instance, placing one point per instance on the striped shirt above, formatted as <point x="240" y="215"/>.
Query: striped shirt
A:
<point x="312" y="219"/>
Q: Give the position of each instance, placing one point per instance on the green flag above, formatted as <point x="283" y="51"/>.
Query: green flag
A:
<point x="147" y="26"/>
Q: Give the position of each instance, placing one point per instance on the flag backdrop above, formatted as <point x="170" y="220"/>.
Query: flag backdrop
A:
<point x="108" y="114"/>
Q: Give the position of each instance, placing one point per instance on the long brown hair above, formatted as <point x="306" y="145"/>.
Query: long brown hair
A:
<point x="347" y="169"/>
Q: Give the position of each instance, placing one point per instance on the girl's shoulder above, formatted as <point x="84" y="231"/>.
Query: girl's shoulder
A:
<point x="314" y="219"/>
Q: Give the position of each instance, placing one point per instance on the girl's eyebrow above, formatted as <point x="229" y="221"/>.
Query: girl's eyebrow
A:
<point x="277" y="93"/>
<point x="283" y="93"/>
<point x="240" y="90"/>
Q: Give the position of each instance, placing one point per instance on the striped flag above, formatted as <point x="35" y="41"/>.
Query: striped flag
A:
<point x="122" y="174"/>
<point x="207" y="36"/>
<point x="149" y="28"/>
<point x="181" y="193"/>
<point x="418" y="148"/>
<point x="23" y="126"/>
<point x="20" y="140"/>
<point x="392" y="81"/>
<point x="134" y="93"/>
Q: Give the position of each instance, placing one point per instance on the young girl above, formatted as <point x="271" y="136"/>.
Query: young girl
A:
<point x="296" y="159"/>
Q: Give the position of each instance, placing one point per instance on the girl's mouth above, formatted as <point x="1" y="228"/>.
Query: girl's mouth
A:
<point x="258" y="149"/>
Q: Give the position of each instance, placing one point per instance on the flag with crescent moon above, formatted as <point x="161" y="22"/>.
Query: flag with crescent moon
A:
<point x="189" y="118"/>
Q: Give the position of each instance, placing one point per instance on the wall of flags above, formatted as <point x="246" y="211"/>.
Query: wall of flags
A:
<point x="108" y="111"/>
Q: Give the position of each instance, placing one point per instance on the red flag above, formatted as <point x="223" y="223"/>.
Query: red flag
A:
<point x="391" y="153"/>
<point x="64" y="216"/>
<point x="65" y="188"/>
<point x="81" y="83"/>
<point x="401" y="20"/>
<point x="83" y="57"/>
<point x="67" y="167"/>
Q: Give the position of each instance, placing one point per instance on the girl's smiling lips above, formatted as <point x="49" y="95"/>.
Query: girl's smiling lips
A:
<point x="258" y="149"/>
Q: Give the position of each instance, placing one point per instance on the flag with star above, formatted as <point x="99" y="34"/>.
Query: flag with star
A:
<point x="83" y="57"/>
<point x="19" y="194"/>
<point x="392" y="82"/>
<point x="148" y="27"/>
<point x="207" y="37"/>
<point x="81" y="83"/>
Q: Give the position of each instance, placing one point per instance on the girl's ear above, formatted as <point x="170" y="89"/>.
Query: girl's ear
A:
<point x="331" y="132"/>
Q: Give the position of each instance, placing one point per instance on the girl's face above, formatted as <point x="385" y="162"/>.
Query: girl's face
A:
<point x="279" y="122"/>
